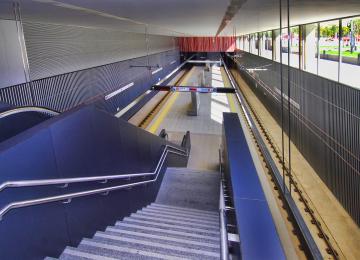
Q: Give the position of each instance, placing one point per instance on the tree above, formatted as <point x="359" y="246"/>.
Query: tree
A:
<point x="329" y="30"/>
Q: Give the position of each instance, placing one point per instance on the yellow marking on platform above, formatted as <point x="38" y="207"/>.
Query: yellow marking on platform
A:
<point x="230" y="98"/>
<point x="163" y="113"/>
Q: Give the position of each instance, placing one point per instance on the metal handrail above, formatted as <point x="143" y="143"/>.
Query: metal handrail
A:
<point x="28" y="109"/>
<point x="66" y="181"/>
<point x="224" y="248"/>
<point x="70" y="196"/>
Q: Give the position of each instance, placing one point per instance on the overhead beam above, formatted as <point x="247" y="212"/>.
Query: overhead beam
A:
<point x="232" y="9"/>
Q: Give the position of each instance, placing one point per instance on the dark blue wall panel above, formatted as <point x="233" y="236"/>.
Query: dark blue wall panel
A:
<point x="17" y="123"/>
<point x="85" y="141"/>
<point x="30" y="156"/>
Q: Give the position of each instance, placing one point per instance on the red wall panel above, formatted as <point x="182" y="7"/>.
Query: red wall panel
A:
<point x="207" y="44"/>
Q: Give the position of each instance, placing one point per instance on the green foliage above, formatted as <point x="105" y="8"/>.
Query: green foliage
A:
<point x="329" y="30"/>
<point x="295" y="30"/>
<point x="346" y="28"/>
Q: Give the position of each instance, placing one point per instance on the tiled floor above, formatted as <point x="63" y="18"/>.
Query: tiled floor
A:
<point x="209" y="119"/>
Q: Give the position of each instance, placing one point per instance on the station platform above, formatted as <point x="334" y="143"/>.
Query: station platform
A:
<point x="206" y="138"/>
<point x="205" y="129"/>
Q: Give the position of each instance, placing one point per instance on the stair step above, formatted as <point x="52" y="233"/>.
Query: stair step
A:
<point x="180" y="214"/>
<point x="181" y="170"/>
<point x="188" y="210"/>
<point x="120" y="251"/>
<point x="76" y="254"/>
<point x="174" y="233"/>
<point x="152" y="246"/>
<point x="164" y="239"/>
<point x="171" y="227"/>
<point x="182" y="218"/>
<point x="174" y="222"/>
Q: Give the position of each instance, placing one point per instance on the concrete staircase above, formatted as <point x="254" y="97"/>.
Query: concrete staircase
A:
<point x="183" y="223"/>
<point x="158" y="231"/>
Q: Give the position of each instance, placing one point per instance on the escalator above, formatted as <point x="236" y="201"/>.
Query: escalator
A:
<point x="14" y="120"/>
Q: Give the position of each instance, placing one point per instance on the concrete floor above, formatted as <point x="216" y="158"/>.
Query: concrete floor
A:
<point x="206" y="128"/>
<point x="190" y="189"/>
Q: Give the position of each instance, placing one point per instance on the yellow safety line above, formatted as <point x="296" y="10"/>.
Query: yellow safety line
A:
<point x="163" y="113"/>
<point x="231" y="102"/>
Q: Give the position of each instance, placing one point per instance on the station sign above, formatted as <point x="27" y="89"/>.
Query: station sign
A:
<point x="193" y="89"/>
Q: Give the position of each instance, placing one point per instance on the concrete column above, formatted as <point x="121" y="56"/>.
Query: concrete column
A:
<point x="263" y="44"/>
<point x="276" y="45"/>
<point x="259" y="38"/>
<point x="310" y="48"/>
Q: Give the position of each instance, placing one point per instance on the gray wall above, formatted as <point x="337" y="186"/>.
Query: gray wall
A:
<point x="325" y="123"/>
<point x="70" y="65"/>
<point x="58" y="49"/>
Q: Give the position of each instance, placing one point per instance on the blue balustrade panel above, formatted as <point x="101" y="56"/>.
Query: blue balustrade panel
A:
<point x="258" y="236"/>
<point x="82" y="142"/>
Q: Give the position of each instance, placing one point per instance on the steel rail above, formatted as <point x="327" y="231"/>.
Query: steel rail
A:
<point x="224" y="246"/>
<point x="66" y="181"/>
<point x="19" y="110"/>
<point x="70" y="196"/>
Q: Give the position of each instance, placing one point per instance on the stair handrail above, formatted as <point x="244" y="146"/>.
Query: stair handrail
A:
<point x="25" y="109"/>
<point x="68" y="197"/>
<point x="102" y="178"/>
<point x="186" y="143"/>
<point x="224" y="247"/>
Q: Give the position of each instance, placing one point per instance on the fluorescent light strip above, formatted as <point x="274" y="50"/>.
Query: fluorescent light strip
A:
<point x="119" y="91"/>
<point x="128" y="107"/>
<point x="174" y="71"/>
<point x="156" y="71"/>
<point x="204" y="61"/>
<point x="172" y="62"/>
<point x="169" y="75"/>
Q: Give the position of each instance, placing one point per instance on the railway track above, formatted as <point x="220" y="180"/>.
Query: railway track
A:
<point x="332" y="250"/>
<point x="156" y="109"/>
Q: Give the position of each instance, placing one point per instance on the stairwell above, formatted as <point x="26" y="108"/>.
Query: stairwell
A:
<point x="183" y="223"/>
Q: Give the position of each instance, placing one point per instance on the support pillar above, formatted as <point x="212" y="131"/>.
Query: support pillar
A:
<point x="309" y="59"/>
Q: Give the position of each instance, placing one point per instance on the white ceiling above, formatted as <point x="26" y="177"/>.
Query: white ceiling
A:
<point x="169" y="17"/>
<point x="182" y="17"/>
